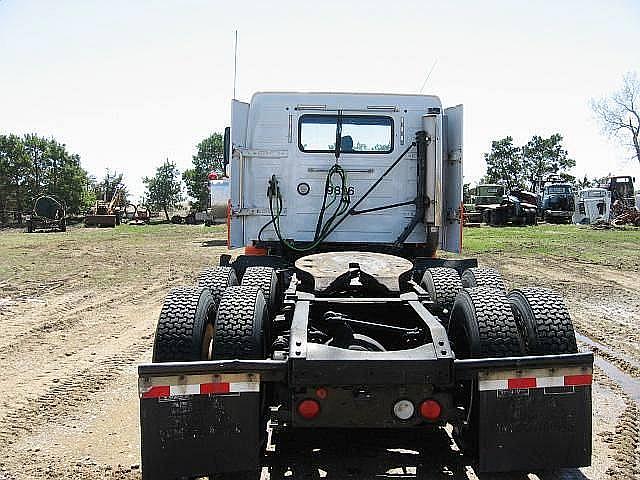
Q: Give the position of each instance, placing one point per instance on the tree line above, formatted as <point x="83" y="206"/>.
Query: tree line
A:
<point x="524" y="167"/>
<point x="31" y="166"/>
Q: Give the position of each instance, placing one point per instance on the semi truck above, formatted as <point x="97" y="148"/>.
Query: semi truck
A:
<point x="558" y="203"/>
<point x="339" y="322"/>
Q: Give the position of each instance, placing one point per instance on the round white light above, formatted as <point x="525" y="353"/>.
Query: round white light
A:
<point x="403" y="409"/>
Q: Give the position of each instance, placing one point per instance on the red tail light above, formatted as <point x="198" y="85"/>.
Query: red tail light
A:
<point x="308" y="409"/>
<point x="430" y="410"/>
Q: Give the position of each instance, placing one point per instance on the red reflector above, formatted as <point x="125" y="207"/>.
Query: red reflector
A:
<point x="214" y="388"/>
<point x="430" y="409"/>
<point x="322" y="393"/>
<point x="521" y="383"/>
<point x="575" y="380"/>
<point x="157" y="392"/>
<point x="308" y="409"/>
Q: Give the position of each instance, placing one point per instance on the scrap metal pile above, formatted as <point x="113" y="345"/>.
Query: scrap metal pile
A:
<point x="622" y="215"/>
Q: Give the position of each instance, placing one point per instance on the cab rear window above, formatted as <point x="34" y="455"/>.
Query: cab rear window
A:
<point x="358" y="133"/>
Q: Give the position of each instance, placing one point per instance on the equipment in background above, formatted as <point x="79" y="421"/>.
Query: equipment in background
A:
<point x="136" y="214"/>
<point x="105" y="214"/>
<point x="558" y="203"/>
<point x="48" y="214"/>
<point x="216" y="212"/>
<point x="510" y="211"/>
<point x="592" y="205"/>
<point x="219" y="195"/>
<point x="482" y="197"/>
<point x="621" y="188"/>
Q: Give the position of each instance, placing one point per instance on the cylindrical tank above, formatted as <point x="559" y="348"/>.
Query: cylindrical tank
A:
<point x="219" y="194"/>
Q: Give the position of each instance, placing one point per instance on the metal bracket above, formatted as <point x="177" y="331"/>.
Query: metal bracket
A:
<point x="248" y="212"/>
<point x="251" y="153"/>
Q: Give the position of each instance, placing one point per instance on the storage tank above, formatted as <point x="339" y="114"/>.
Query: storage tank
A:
<point x="219" y="194"/>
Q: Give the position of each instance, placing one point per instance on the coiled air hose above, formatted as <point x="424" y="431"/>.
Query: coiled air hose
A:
<point x="339" y="193"/>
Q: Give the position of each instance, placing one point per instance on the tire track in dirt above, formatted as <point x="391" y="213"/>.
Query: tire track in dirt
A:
<point x="64" y="399"/>
<point x="39" y="365"/>
<point x="66" y="318"/>
<point x="624" y="443"/>
<point x="604" y="303"/>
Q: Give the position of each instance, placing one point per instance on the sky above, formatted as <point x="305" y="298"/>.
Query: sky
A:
<point x="127" y="84"/>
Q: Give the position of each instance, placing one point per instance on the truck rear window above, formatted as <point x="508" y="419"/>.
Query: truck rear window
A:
<point x="360" y="133"/>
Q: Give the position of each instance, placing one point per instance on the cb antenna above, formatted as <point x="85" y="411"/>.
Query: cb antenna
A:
<point x="235" y="65"/>
<point x="424" y="84"/>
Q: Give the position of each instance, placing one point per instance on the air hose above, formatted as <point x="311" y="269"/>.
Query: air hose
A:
<point x="339" y="193"/>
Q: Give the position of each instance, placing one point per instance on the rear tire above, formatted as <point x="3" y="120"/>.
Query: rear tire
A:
<point x="543" y="320"/>
<point x="240" y="323"/>
<point x="483" y="277"/>
<point x="482" y="325"/>
<point x="266" y="279"/>
<point x="217" y="280"/>
<point x="184" y="328"/>
<point x="442" y="284"/>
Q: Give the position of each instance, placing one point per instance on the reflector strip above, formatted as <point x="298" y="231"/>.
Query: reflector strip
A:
<point x="157" y="392"/>
<point x="224" y="384"/>
<point x="535" y="382"/>
<point x="521" y="383"/>
<point x="575" y="380"/>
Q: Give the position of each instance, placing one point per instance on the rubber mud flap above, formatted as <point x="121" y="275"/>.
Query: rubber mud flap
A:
<point x="530" y="429"/>
<point x="199" y="435"/>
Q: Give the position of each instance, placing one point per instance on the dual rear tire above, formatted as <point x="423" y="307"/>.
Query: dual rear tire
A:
<point x="218" y="319"/>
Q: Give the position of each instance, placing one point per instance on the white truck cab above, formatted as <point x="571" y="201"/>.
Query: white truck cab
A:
<point x="288" y="140"/>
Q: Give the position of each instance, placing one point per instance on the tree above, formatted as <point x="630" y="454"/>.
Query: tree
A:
<point x="164" y="189"/>
<point x="619" y="114"/>
<point x="504" y="164"/>
<point x="209" y="158"/>
<point x="544" y="156"/>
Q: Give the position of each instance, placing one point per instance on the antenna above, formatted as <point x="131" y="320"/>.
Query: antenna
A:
<point x="235" y="65"/>
<point x="424" y="84"/>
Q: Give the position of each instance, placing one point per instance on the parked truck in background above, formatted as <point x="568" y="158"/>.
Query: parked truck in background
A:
<point x="592" y="204"/>
<point x="346" y="325"/>
<point x="481" y="197"/>
<point x="558" y="203"/>
<point x="622" y="190"/>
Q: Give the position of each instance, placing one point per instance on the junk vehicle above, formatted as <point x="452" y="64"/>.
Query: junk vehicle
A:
<point x="558" y="203"/>
<point x="511" y="210"/>
<point x="483" y="196"/>
<point x="105" y="214"/>
<point x="592" y="204"/>
<point x="48" y="213"/>
<point x="621" y="188"/>
<point x="338" y="323"/>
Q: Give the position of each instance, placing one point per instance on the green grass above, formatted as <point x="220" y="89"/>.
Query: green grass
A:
<point x="619" y="248"/>
<point x="42" y="254"/>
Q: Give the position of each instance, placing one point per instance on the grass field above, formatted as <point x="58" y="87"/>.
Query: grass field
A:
<point x="618" y="248"/>
<point x="39" y="255"/>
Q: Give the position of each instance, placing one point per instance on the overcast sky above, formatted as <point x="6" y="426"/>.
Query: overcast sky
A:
<point x="127" y="84"/>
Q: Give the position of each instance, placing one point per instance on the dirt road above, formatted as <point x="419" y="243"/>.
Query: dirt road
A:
<point x="78" y="310"/>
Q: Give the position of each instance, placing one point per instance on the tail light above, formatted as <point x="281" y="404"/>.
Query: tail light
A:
<point x="309" y="409"/>
<point x="430" y="410"/>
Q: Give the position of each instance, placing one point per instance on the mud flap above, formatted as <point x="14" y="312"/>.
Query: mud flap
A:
<point x="198" y="425"/>
<point x="534" y="419"/>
